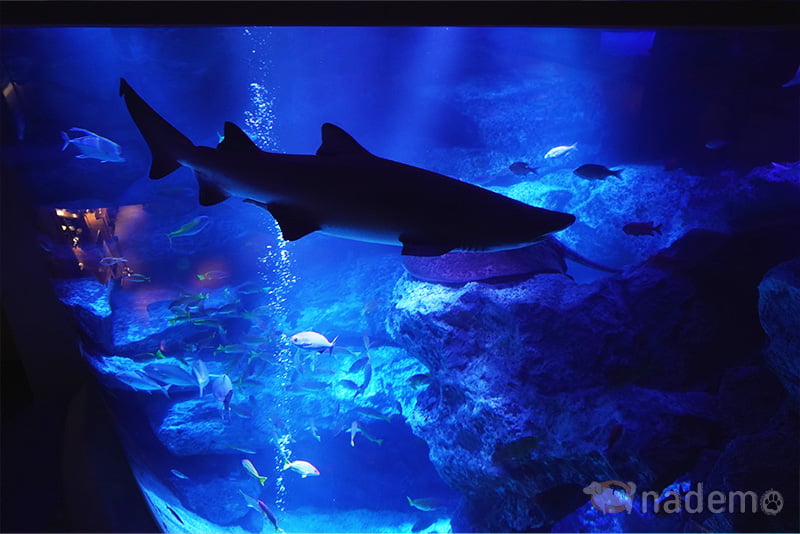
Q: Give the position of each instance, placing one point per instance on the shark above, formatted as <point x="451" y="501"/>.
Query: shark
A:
<point x="344" y="190"/>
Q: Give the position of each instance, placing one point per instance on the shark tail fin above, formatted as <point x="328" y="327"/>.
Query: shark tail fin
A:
<point x="67" y="141"/>
<point x="167" y="144"/>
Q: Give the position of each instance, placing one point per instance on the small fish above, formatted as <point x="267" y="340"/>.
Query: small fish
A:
<point x="314" y="431"/>
<point x="419" y="380"/>
<point x="559" y="151"/>
<point x="299" y="466"/>
<point x="358" y="365"/>
<point x="367" y="377"/>
<point x="238" y="348"/>
<point x="715" y="144"/>
<point x="641" y="228"/>
<point x="110" y="260"/>
<point x="221" y="387"/>
<point x="242" y="449"/>
<point x="349" y="384"/>
<point x="521" y="168"/>
<point x="313" y="341"/>
<point x="141" y="382"/>
<point x="590" y="171"/>
<point x="269" y="515"/>
<point x="250" y="288"/>
<point x="193" y="227"/>
<point x="250" y="468"/>
<point x="137" y="278"/>
<point x="426" y="505"/>
<point x="369" y="436"/>
<point x="213" y="275"/>
<point x="372" y="413"/>
<point x="168" y="373"/>
<point x="93" y="146"/>
<point x="353" y="431"/>
<point x="200" y="371"/>
<point x="311" y="385"/>
<point x="178" y="474"/>
<point x="174" y="513"/>
<point x="795" y="79"/>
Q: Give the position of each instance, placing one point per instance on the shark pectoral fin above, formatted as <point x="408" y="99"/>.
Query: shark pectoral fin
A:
<point x="294" y="222"/>
<point x="210" y="193"/>
<point x="414" y="247"/>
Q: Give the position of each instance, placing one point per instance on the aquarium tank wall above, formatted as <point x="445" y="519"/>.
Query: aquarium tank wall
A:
<point x="412" y="279"/>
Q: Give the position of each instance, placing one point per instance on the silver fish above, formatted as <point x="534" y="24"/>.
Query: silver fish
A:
<point x="140" y="382"/>
<point x="169" y="373"/>
<point x="93" y="146"/>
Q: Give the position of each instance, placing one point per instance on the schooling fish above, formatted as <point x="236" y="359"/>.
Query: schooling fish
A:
<point x="590" y="171"/>
<point x="336" y="191"/>
<point x="559" y="151"/>
<point x="193" y="227"/>
<point x="250" y="468"/>
<point x="313" y="341"/>
<point x="299" y="466"/>
<point x="93" y="146"/>
<point x="641" y="228"/>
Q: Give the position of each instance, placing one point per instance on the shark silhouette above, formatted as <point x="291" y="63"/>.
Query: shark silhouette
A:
<point x="345" y="191"/>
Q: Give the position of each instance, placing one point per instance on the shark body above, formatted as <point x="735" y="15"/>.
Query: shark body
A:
<point x="345" y="191"/>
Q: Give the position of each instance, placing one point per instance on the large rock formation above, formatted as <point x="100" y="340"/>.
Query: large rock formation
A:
<point x="542" y="387"/>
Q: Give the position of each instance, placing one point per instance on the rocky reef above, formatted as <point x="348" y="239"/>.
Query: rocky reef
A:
<point x="655" y="375"/>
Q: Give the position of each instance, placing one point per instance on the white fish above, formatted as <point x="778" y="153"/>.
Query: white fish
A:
<point x="559" y="151"/>
<point x="313" y="341"/>
<point x="795" y="79"/>
<point x="140" y="382"/>
<point x="201" y="374"/>
<point x="168" y="373"/>
<point x="304" y="468"/>
<point x="93" y="146"/>
<point x="221" y="387"/>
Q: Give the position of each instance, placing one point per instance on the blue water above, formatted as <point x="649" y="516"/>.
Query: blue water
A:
<point x="706" y="138"/>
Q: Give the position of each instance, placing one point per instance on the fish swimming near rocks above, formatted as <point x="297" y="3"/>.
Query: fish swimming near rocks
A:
<point x="547" y="256"/>
<point x="93" y="146"/>
<point x="252" y="471"/>
<point x="592" y="171"/>
<point x="343" y="190"/>
<point x="141" y="382"/>
<point x="521" y="168"/>
<point x="641" y="228"/>
<point x="560" y="151"/>
<point x="170" y="373"/>
<point x="200" y="371"/>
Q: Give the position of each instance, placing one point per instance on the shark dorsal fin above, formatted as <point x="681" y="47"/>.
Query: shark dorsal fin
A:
<point x="236" y="139"/>
<point x="337" y="142"/>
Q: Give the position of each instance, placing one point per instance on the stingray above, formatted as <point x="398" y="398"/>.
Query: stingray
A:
<point x="545" y="256"/>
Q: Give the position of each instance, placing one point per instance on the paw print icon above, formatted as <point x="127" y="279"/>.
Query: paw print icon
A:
<point x="771" y="502"/>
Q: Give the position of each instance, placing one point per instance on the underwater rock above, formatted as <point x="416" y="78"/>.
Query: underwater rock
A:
<point x="779" y="310"/>
<point x="90" y="302"/>
<point x="539" y="388"/>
